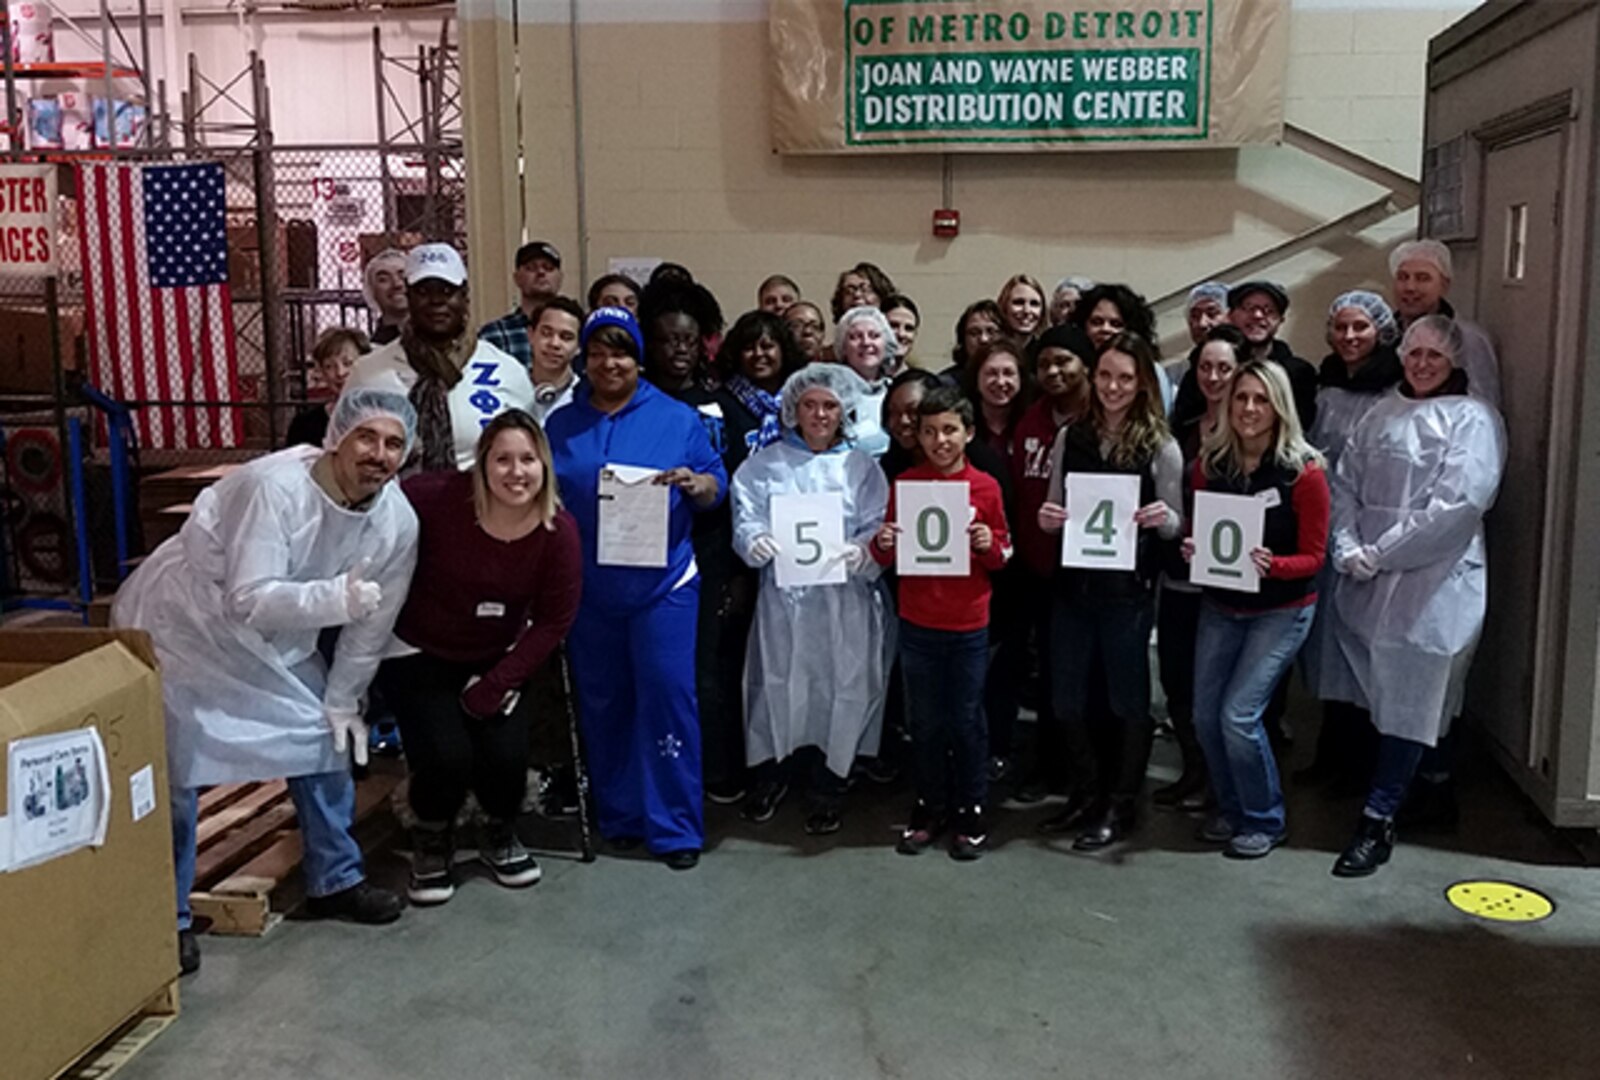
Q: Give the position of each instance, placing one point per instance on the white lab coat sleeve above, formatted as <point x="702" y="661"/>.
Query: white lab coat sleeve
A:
<point x="362" y="644"/>
<point x="254" y="525"/>
<point x="1462" y="493"/>
<point x="869" y="498"/>
<point x="752" y="509"/>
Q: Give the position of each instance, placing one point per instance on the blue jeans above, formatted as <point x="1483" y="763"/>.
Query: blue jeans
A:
<point x="325" y="804"/>
<point x="944" y="674"/>
<point x="1239" y="658"/>
<point x="1398" y="761"/>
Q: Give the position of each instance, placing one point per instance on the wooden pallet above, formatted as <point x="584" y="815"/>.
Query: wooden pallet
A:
<point x="247" y="846"/>
<point x="110" y="1056"/>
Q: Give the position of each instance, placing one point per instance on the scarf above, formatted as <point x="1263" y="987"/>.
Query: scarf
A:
<point x="762" y="405"/>
<point x="438" y="369"/>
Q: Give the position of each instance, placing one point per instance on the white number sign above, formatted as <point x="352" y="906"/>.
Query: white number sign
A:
<point x="1101" y="533"/>
<point x="810" y="534"/>
<point x="1226" y="529"/>
<point x="933" y="517"/>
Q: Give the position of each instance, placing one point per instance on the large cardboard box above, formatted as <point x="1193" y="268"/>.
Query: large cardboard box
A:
<point x="86" y="939"/>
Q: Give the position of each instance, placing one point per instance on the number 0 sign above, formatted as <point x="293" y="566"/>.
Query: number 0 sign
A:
<point x="810" y="534"/>
<point x="1226" y="529"/>
<point x="1101" y="533"/>
<point x="933" y="517"/>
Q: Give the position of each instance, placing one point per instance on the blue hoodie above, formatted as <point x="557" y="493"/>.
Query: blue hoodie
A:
<point x="651" y="430"/>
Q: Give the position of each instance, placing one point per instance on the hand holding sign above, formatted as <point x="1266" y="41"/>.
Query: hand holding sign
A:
<point x="1227" y="532"/>
<point x="933" y="516"/>
<point x="810" y="534"/>
<point x="1100" y="530"/>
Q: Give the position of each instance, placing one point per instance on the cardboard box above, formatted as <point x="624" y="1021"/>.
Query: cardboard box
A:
<point x="87" y="938"/>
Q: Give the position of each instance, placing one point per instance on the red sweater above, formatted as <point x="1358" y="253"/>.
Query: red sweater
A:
<point x="955" y="603"/>
<point x="1039" y="551"/>
<point x="499" y="606"/>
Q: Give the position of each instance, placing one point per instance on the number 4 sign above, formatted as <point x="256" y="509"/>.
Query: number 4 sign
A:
<point x="1226" y="529"/>
<point x="1101" y="533"/>
<point x="933" y="517"/>
<point x="810" y="534"/>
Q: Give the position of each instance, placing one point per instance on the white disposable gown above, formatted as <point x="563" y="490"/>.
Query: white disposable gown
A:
<point x="868" y="433"/>
<point x="1412" y="486"/>
<point x="815" y="671"/>
<point x="234" y="604"/>
<point x="1327" y="674"/>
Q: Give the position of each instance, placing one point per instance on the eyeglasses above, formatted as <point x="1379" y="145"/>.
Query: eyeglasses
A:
<point x="1260" y="311"/>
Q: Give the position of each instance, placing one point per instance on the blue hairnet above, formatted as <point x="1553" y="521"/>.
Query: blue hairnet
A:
<point x="357" y="405"/>
<point x="1215" y="291"/>
<point x="1374" y="307"/>
<point x="837" y="379"/>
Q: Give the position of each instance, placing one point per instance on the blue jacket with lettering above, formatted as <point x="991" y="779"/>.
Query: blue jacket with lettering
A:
<point x="651" y="430"/>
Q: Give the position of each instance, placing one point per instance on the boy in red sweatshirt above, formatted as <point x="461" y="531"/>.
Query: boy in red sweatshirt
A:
<point x="944" y="639"/>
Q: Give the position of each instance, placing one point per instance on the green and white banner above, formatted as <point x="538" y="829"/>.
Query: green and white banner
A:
<point x="920" y="75"/>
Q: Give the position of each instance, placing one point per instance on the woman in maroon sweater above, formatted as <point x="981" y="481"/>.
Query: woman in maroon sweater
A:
<point x="495" y="591"/>
<point x="1245" y="642"/>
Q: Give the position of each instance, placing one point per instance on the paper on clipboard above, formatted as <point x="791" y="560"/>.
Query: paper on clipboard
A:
<point x="634" y="517"/>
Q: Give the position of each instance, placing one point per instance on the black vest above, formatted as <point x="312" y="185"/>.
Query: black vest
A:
<point x="1081" y="454"/>
<point x="1280" y="535"/>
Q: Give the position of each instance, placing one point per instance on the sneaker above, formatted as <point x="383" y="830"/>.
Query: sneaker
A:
<point x="432" y="879"/>
<point x="920" y="833"/>
<point x="1214" y="830"/>
<point x="506" y="858"/>
<point x="823" y="820"/>
<point x="558" y="794"/>
<point x="1252" y="845"/>
<point x="728" y="794"/>
<point x="188" y="952"/>
<point x="362" y="902"/>
<point x="764" y="800"/>
<point x="971" y="837"/>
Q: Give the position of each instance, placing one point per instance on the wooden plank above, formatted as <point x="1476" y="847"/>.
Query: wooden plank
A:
<point x="245" y="913"/>
<point x="242" y="843"/>
<point x="113" y="1054"/>
<point x="213" y="825"/>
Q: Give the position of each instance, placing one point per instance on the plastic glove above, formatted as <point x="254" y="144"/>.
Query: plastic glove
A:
<point x="764" y="548"/>
<point x="1362" y="563"/>
<point x="361" y="597"/>
<point x="349" y="732"/>
<point x="854" y="557"/>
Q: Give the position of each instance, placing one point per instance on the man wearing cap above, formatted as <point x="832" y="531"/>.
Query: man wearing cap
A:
<point x="384" y="286"/>
<point x="538" y="278"/>
<point x="1257" y="308"/>
<point x="456" y="382"/>
<point x="1422" y="270"/>
<point x="283" y="548"/>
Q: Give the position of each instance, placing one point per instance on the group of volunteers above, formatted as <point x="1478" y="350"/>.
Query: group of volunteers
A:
<point x="623" y="476"/>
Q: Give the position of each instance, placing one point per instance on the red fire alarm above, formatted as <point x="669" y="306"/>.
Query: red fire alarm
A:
<point x="946" y="223"/>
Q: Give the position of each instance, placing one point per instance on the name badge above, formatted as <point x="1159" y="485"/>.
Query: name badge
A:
<point x="1269" y="498"/>
<point x="491" y="610"/>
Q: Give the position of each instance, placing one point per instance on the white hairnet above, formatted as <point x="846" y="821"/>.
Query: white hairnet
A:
<point x="1446" y="329"/>
<point x="1073" y="281"/>
<point x="891" y="344"/>
<point x="357" y="405"/>
<point x="387" y="257"/>
<point x="837" y="379"/>
<point x="1214" y="291"/>
<point x="1374" y="307"/>
<point x="1426" y="250"/>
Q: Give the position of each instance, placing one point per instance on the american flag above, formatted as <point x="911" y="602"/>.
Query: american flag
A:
<point x="158" y="312"/>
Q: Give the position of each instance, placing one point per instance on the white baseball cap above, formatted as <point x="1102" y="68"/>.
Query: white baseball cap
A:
<point x="435" y="261"/>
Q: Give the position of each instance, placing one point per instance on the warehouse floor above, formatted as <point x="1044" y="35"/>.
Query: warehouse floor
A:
<point x="784" y="956"/>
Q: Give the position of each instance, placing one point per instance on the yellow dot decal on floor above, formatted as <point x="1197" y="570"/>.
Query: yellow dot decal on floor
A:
<point x="1500" y="901"/>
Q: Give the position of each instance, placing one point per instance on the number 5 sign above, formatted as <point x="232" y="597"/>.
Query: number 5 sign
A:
<point x="1101" y="533"/>
<point x="933" y="517"/>
<point x="1226" y="529"/>
<point x="810" y="534"/>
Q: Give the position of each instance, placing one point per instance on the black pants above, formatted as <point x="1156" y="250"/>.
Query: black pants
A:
<point x="722" y="632"/>
<point x="1177" y="621"/>
<point x="1111" y="636"/>
<point x="449" y="752"/>
<point x="1008" y="664"/>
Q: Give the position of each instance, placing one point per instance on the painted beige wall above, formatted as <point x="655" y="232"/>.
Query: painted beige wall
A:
<point x="677" y="166"/>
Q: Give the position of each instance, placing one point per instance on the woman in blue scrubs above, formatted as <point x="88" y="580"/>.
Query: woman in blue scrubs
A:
<point x="633" y="644"/>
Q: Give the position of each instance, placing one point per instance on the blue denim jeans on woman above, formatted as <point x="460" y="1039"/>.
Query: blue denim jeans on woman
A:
<point x="944" y="674"/>
<point x="1238" y="659"/>
<point x="324" y="804"/>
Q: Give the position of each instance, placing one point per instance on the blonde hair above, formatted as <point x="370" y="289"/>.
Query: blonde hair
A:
<point x="1145" y="428"/>
<point x="547" y="503"/>
<point x="1044" y="301"/>
<point x="1220" y="452"/>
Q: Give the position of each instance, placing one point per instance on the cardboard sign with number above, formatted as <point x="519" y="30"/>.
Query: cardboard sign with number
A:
<point x="810" y="534"/>
<point x="933" y="516"/>
<point x="1226" y="529"/>
<point x="1101" y="533"/>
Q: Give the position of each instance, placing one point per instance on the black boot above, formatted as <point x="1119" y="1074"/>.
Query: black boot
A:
<point x="1373" y="843"/>
<point x="1105" y="827"/>
<point x="188" y="952"/>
